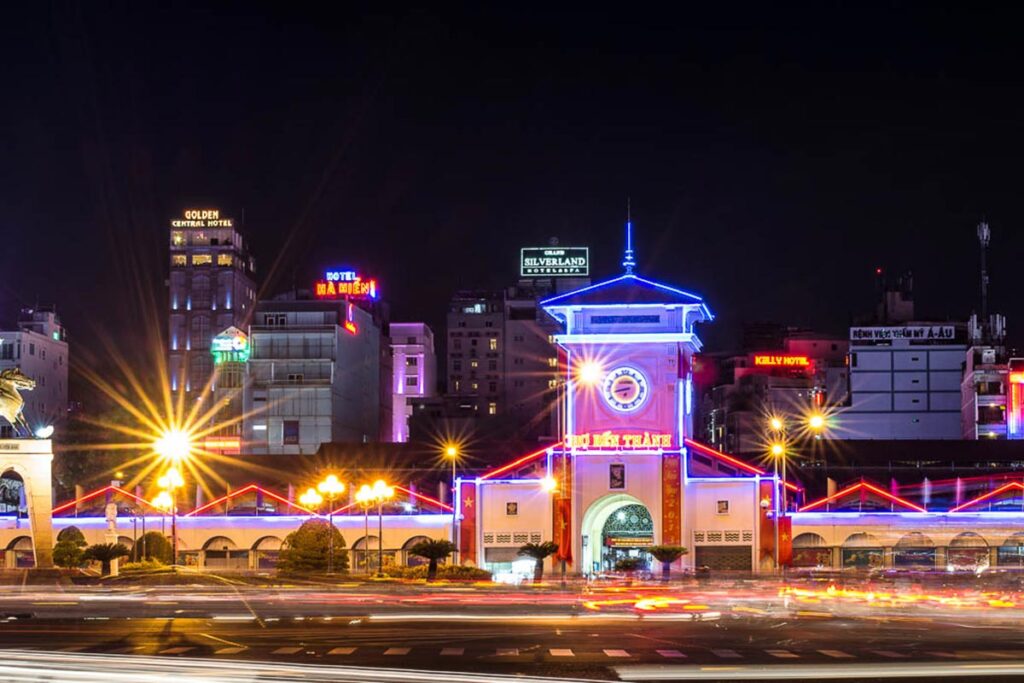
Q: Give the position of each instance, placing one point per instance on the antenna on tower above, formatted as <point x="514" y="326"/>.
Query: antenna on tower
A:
<point x="984" y="236"/>
<point x="629" y="262"/>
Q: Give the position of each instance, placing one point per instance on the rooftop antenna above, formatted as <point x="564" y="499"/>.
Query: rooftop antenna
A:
<point x="629" y="262"/>
<point x="984" y="236"/>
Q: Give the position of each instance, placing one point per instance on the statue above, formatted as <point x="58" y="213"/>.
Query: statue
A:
<point x="11" y="381"/>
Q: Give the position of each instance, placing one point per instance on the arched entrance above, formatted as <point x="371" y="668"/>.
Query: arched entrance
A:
<point x="30" y="459"/>
<point x="614" y="527"/>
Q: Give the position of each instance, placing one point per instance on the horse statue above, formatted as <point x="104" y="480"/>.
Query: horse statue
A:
<point x="11" y="381"/>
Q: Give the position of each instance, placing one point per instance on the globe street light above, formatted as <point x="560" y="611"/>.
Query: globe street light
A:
<point x="332" y="488"/>
<point x="451" y="452"/>
<point x="174" y="446"/>
<point x="364" y="497"/>
<point x="170" y="483"/>
<point x="381" y="492"/>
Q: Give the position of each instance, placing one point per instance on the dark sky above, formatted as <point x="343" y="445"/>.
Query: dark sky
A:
<point x="774" y="157"/>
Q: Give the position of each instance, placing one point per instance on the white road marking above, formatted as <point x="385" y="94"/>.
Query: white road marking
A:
<point x="727" y="654"/>
<point x="947" y="655"/>
<point x="286" y="650"/>
<point x="507" y="652"/>
<point x="561" y="652"/>
<point x="890" y="654"/>
<point x="616" y="653"/>
<point x="229" y="650"/>
<point x="176" y="650"/>
<point x="670" y="653"/>
<point x="782" y="654"/>
<point x="397" y="650"/>
<point x="453" y="651"/>
<point x="837" y="654"/>
<point x="341" y="651"/>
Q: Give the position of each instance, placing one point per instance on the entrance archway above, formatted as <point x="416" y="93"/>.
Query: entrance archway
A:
<point x="630" y="531"/>
<point x="30" y="459"/>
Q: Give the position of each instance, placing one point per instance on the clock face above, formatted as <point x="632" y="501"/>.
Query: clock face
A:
<point x="625" y="389"/>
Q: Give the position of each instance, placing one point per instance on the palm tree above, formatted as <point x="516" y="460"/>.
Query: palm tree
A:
<point x="105" y="553"/>
<point x="539" y="552"/>
<point x="432" y="550"/>
<point x="667" y="554"/>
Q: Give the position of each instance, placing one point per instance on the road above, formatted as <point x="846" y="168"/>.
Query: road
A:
<point x="618" y="633"/>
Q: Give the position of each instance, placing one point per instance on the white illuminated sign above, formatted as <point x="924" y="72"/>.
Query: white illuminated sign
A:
<point x="910" y="332"/>
<point x="554" y="261"/>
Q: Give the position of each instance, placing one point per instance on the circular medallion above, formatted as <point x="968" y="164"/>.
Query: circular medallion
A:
<point x="625" y="389"/>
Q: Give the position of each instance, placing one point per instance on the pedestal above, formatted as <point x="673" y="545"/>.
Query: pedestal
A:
<point x="32" y="459"/>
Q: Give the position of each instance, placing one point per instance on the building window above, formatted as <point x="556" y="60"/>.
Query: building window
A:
<point x="31" y="349"/>
<point x="410" y="340"/>
<point x="552" y="362"/>
<point x="457" y="384"/>
<point x="458" y="345"/>
<point x="492" y="408"/>
<point x="492" y="365"/>
<point x="224" y="259"/>
<point x="492" y="387"/>
<point x="474" y="386"/>
<point x="412" y="381"/>
<point x="723" y="507"/>
<point x="493" y="344"/>
<point x="511" y="509"/>
<point x="177" y="239"/>
<point x="6" y="351"/>
<point x="474" y="364"/>
<point x="296" y="377"/>
<point x="472" y="342"/>
<point x="411" y="361"/>
<point x="552" y="384"/>
<point x="457" y="365"/>
<point x="179" y="260"/>
<point x="201" y="259"/>
<point x="290" y="432"/>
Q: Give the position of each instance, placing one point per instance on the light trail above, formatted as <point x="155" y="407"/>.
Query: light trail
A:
<point x="818" y="672"/>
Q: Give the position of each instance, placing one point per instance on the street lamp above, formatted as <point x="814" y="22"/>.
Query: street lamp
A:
<point x="170" y="483"/>
<point x="451" y="452"/>
<point x="332" y="488"/>
<point x="174" y="445"/>
<point x="381" y="492"/>
<point x="364" y="497"/>
<point x="589" y="372"/>
<point x="777" y="451"/>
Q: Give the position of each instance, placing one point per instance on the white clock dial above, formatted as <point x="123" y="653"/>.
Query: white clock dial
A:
<point x="625" y="389"/>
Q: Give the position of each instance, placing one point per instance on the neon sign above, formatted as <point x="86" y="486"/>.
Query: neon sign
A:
<point x="1016" y="399"/>
<point x="230" y="346"/>
<point x="202" y="218"/>
<point x="766" y="360"/>
<point x="345" y="284"/>
<point x="621" y="441"/>
<point x="554" y="261"/>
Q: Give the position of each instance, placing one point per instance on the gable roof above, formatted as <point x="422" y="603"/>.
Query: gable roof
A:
<point x="864" y="489"/>
<point x="628" y="288"/>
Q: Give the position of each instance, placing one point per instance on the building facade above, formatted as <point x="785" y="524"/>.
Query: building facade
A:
<point x="211" y="288"/>
<point x="414" y="373"/>
<point x="39" y="348"/>
<point x="313" y="376"/>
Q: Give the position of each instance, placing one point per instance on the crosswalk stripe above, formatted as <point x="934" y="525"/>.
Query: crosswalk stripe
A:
<point x="176" y="650"/>
<point x="616" y="653"/>
<point x="782" y="654"/>
<point x="727" y="654"/>
<point x="890" y="654"/>
<point x="670" y="653"/>
<point x="341" y="651"/>
<point x="286" y="650"/>
<point x="507" y="652"/>
<point x="228" y="651"/>
<point x="397" y="650"/>
<point x="838" y="654"/>
<point x="561" y="652"/>
<point x="453" y="651"/>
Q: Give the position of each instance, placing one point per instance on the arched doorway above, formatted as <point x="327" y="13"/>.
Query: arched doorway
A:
<point x="220" y="552"/>
<point x="614" y="527"/>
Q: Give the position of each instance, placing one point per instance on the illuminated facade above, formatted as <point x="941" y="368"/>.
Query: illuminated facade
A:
<point x="40" y="348"/>
<point x="414" y="373"/>
<point x="210" y="290"/>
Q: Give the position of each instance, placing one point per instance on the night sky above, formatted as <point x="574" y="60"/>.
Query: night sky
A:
<point x="774" y="157"/>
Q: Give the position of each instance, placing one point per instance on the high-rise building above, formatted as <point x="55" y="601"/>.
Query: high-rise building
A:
<point x="39" y="348"/>
<point x="211" y="289"/>
<point x="313" y="376"/>
<point x="414" y="373"/>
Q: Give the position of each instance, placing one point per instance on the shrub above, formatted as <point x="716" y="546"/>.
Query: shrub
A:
<point x="629" y="564"/>
<point x="539" y="552"/>
<point x="157" y="547"/>
<point x="432" y="551"/>
<point x="68" y="551"/>
<point x="451" y="572"/>
<point x="306" y="548"/>
<point x="105" y="553"/>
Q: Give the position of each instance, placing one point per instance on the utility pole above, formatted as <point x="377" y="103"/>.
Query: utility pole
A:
<point x="984" y="236"/>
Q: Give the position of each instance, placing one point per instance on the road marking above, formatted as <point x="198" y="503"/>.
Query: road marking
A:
<point x="782" y="654"/>
<point x="561" y="652"/>
<point x="397" y="650"/>
<point x="507" y="652"/>
<point x="453" y="651"/>
<point x="727" y="654"/>
<point x="221" y="640"/>
<point x="838" y="654"/>
<point x="341" y="651"/>
<point x="228" y="650"/>
<point x="670" y="653"/>
<point x="286" y="650"/>
<point x="74" y="648"/>
<point x="176" y="650"/>
<point x="982" y="654"/>
<point x="616" y="653"/>
<point x="890" y="654"/>
<point x="947" y="655"/>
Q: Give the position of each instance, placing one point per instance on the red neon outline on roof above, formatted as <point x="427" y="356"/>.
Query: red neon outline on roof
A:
<point x="862" y="485"/>
<point x="89" y="496"/>
<point x="246" y="489"/>
<point x="523" y="460"/>
<point x="708" y="450"/>
<point x="427" y="499"/>
<point x="990" y="494"/>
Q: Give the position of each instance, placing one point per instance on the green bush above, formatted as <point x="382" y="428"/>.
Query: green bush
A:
<point x="72" y="534"/>
<point x="144" y="566"/>
<point x="158" y="547"/>
<point x="453" y="572"/>
<point x="306" y="549"/>
<point x="68" y="552"/>
<point x="629" y="564"/>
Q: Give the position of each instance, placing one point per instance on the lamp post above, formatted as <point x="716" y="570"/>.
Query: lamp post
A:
<point x="364" y="497"/>
<point x="452" y="453"/>
<point x="170" y="483"/>
<point x="331" y="488"/>
<point x="311" y="500"/>
<point x="381" y="492"/>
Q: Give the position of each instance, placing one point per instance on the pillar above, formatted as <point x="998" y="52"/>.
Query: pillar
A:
<point x="32" y="460"/>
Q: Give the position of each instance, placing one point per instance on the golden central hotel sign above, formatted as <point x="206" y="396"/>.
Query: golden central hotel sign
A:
<point x="202" y="218"/>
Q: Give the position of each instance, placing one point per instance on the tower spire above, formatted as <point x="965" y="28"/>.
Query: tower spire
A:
<point x="629" y="262"/>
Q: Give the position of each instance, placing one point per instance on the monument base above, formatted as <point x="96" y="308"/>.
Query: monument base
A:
<point x="32" y="460"/>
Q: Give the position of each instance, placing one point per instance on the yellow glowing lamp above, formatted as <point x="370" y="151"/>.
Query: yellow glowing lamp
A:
<point x="381" y="491"/>
<point x="311" y="498"/>
<point x="364" y="496"/>
<point x="589" y="372"/>
<point x="163" y="501"/>
<point x="816" y="422"/>
<point x="175" y="445"/>
<point x="331" y="486"/>
<point x="171" y="480"/>
<point x="1017" y="378"/>
<point x="549" y="484"/>
<point x="776" y="424"/>
<point x="778" y="450"/>
<point x="452" y="451"/>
